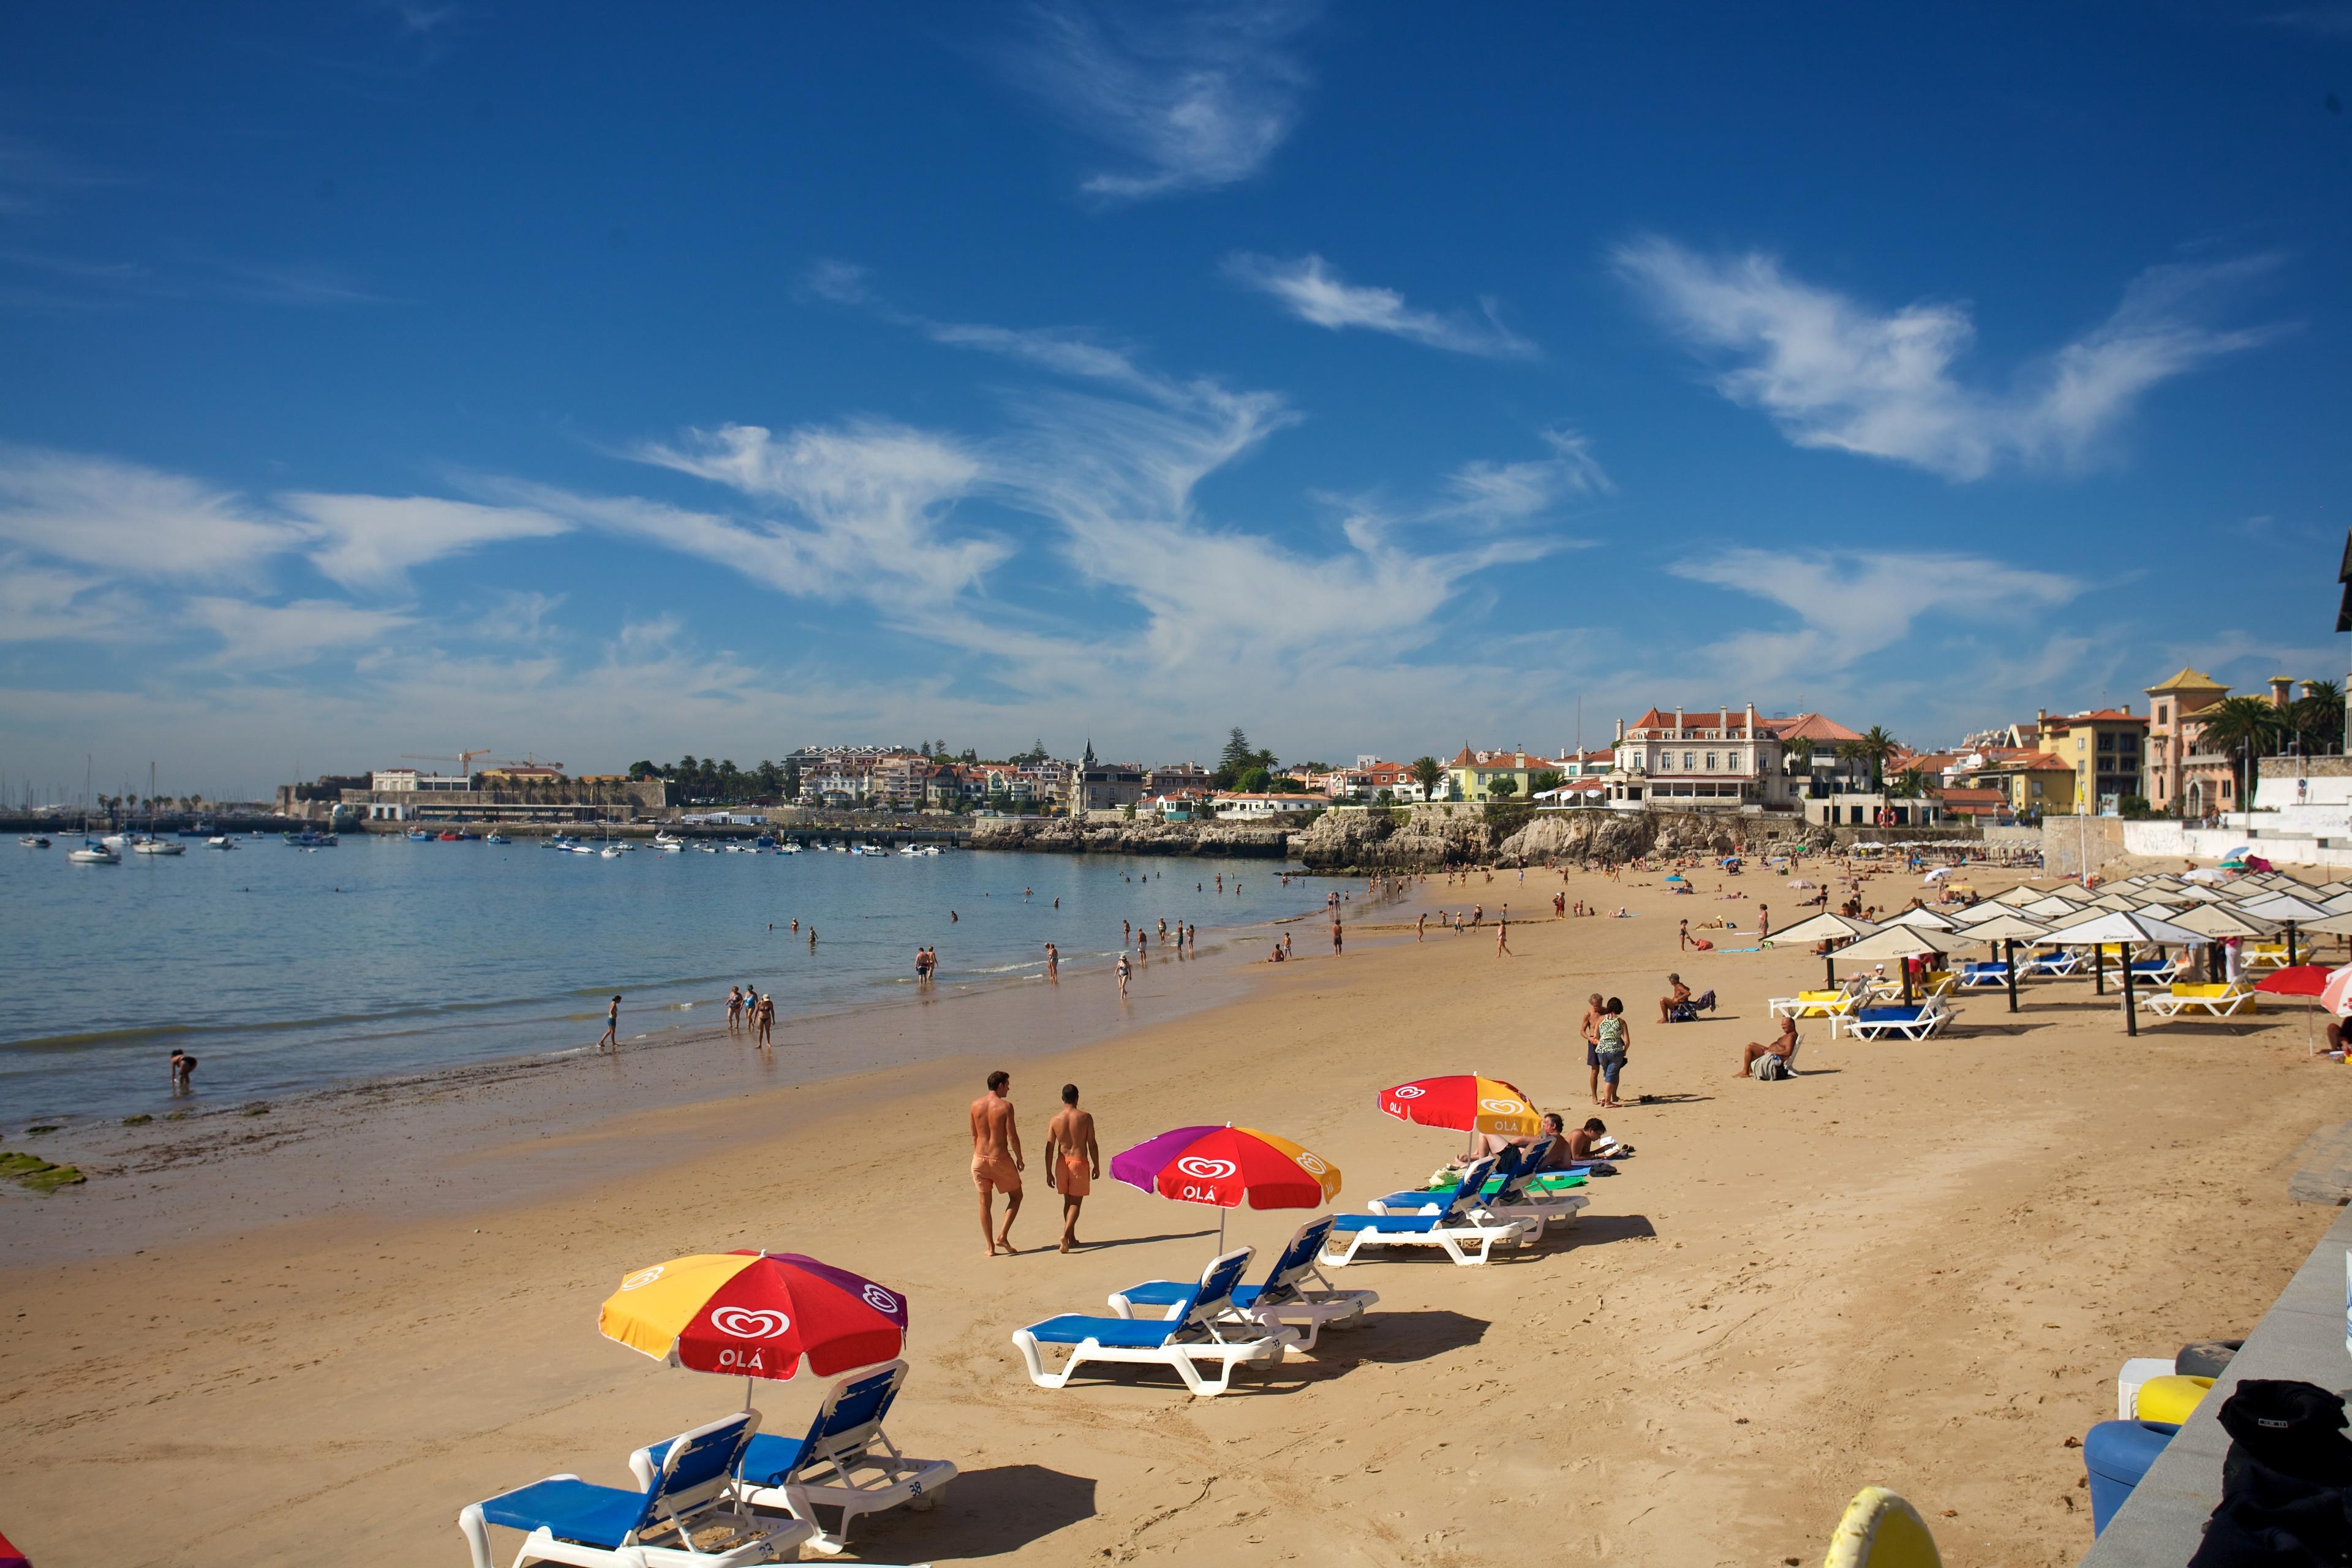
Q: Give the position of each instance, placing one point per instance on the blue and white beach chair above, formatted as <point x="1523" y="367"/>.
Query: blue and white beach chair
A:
<point x="1984" y="976"/>
<point x="1511" y="1193"/>
<point x="567" y="1520"/>
<point x="1201" y="1329"/>
<point x="2057" y="964"/>
<point x="1446" y="1221"/>
<point x="844" y="1463"/>
<point x="1284" y="1300"/>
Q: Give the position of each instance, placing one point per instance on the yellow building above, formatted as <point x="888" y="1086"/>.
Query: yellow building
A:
<point x="1473" y="773"/>
<point x="2033" y="782"/>
<point x="2104" y="748"/>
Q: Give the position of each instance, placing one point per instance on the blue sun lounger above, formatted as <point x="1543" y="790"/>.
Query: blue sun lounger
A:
<point x="1514" y="1192"/>
<point x="567" y="1520"/>
<point x="844" y="1463"/>
<point x="1202" y="1329"/>
<point x="1984" y="975"/>
<point x="1283" y="1299"/>
<point x="1446" y="1221"/>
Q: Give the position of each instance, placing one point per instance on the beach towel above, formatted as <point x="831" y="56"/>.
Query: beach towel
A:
<point x="1770" y="1068"/>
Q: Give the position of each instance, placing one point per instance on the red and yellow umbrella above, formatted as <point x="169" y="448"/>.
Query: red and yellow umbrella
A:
<point x="1226" y="1165"/>
<point x="1465" y="1102"/>
<point x="755" y="1314"/>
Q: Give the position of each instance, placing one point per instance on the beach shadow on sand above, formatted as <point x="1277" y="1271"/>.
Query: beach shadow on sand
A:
<point x="1601" y="1230"/>
<point x="989" y="1513"/>
<point x="1673" y="1099"/>
<point x="1387" y="1339"/>
<point x="1090" y="1245"/>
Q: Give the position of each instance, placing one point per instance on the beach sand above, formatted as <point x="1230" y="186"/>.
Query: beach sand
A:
<point x="1915" y="1265"/>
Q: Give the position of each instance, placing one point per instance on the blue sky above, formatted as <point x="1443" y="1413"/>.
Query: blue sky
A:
<point x="388" y="378"/>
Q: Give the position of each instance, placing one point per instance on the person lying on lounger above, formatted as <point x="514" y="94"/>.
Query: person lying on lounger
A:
<point x="1784" y="1047"/>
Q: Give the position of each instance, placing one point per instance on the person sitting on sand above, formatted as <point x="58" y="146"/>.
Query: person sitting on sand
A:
<point x="1784" y="1047"/>
<point x="1676" y="995"/>
<point x="1276" y="956"/>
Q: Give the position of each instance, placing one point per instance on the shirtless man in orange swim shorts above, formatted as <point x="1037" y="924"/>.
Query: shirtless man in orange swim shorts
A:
<point x="996" y="1162"/>
<point x="1073" y="1163"/>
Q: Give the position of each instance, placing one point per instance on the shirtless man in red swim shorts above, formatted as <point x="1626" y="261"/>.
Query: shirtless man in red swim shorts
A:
<point x="996" y="1162"/>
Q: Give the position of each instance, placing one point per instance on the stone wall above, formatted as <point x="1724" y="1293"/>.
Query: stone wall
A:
<point x="1145" y="836"/>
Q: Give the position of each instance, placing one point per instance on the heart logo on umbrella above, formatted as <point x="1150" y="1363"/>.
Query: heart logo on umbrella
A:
<point x="1502" y="1107"/>
<point x="643" y="1278"/>
<point x="749" y="1323"/>
<point x="1206" y="1170"/>
<point x="1310" y="1163"/>
<point x="879" y="1298"/>
<point x="1410" y="1092"/>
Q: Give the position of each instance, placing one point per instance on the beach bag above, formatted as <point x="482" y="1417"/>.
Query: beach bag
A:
<point x="1769" y="1068"/>
<point x="2286" y="1482"/>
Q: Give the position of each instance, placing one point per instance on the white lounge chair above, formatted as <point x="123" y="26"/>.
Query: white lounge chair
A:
<point x="1204" y="1330"/>
<point x="1285" y="1300"/>
<point x="2208" y="1001"/>
<point x="1917" y="1021"/>
<point x="844" y="1463"/>
<point x="1448" y="1224"/>
<point x="1984" y="976"/>
<point x="566" y="1519"/>
<point x="1508" y="1194"/>
<point x="1817" y="1004"/>
<point x="2055" y="965"/>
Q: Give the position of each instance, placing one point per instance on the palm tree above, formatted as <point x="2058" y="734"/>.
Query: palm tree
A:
<point x="2318" y="717"/>
<point x="2242" y="728"/>
<point x="1849" y="752"/>
<point x="1877" y="746"/>
<point x="1426" y="771"/>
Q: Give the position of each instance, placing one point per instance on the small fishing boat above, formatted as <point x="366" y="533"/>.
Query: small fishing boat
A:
<point x="220" y="841"/>
<point x="34" y="841"/>
<point x="159" y="846"/>
<point x="498" y="838"/>
<point x="93" y="853"/>
<point x="418" y="836"/>
<point x="788" y="847"/>
<point x="610" y="852"/>
<point x="449" y="839"/>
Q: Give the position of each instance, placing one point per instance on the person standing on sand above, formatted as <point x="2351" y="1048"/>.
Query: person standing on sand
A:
<point x="1073" y="1162"/>
<point x="1616" y="1041"/>
<point x="1591" y="1029"/>
<point x="611" y="1035"/>
<point x="1421" y="926"/>
<point x="1503" y="934"/>
<point x="1123" y="972"/>
<point x="765" y="1016"/>
<point x="996" y="1162"/>
<point x="1052" y="964"/>
<point x="1336" y="939"/>
<point x="734" y="1008"/>
<point x="1764" y="920"/>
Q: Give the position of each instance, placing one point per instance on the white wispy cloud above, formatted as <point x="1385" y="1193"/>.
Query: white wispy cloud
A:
<point x="260" y="638"/>
<point x="369" y="542"/>
<point x="49" y="604"/>
<point x="1311" y="288"/>
<point x="1192" y="97"/>
<point x="1835" y="372"/>
<point x="1850" y="605"/>
<point x="132" y="521"/>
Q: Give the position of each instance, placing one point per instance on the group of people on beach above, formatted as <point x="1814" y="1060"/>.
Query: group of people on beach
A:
<point x="1072" y="1160"/>
<point x="750" y="1008"/>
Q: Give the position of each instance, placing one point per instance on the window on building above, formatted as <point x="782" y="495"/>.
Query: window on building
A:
<point x="1710" y="762"/>
<point x="1688" y="762"/>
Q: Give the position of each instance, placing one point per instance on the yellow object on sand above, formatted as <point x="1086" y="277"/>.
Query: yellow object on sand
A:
<point x="2170" y="1398"/>
<point x="1881" y="1530"/>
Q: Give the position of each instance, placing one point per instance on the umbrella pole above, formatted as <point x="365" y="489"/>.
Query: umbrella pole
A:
<point x="2099" y="968"/>
<point x="2290" y="944"/>
<point x="747" y="1394"/>
<point x="2011" y="947"/>
<point x="2131" y="1011"/>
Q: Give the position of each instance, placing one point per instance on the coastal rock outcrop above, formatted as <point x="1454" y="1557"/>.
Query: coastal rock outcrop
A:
<point x="1061" y="835"/>
<point x="1424" y="837"/>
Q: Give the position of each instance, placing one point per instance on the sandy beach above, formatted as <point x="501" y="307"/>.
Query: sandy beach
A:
<point x="1915" y="1265"/>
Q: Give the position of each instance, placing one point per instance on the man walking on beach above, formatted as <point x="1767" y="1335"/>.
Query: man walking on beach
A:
<point x="1590" y="1030"/>
<point x="996" y="1162"/>
<point x="611" y="1036"/>
<point x="1073" y="1163"/>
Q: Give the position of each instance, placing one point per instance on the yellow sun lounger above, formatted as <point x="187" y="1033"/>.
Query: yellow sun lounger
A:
<point x="2209" y="1001"/>
<point x="1815" y="1005"/>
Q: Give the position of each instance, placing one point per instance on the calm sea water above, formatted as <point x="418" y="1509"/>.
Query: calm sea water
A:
<point x="282" y="969"/>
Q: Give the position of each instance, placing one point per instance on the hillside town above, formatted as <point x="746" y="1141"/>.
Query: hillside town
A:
<point x="2186" y="755"/>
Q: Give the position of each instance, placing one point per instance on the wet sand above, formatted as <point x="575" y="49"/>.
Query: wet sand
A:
<point x="1915" y="1265"/>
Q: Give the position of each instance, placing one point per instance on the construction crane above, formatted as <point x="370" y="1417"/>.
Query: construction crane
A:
<point x="465" y="760"/>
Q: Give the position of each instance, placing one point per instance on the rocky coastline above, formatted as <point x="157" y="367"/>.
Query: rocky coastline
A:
<point x="1061" y="835"/>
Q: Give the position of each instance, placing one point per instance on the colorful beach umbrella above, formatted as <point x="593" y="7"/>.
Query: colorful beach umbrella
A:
<point x="1465" y="1102"/>
<point x="2302" y="980"/>
<point x="755" y="1314"/>
<point x="2337" y="994"/>
<point x="1226" y="1166"/>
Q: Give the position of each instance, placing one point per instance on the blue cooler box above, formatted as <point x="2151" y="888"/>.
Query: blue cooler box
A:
<point x="2117" y="1454"/>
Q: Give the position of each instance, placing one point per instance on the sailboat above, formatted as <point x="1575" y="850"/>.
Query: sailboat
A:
<point x="93" y="853"/>
<point x="150" y="844"/>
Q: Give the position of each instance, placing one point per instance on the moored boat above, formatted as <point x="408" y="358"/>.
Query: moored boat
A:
<point x="93" y="853"/>
<point x="34" y="841"/>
